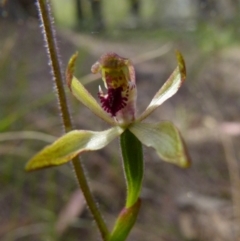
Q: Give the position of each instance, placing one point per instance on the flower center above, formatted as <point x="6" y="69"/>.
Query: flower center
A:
<point x="117" y="91"/>
<point x="113" y="101"/>
<point x="119" y="79"/>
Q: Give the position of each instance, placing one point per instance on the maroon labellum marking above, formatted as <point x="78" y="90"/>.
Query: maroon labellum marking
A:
<point x="113" y="101"/>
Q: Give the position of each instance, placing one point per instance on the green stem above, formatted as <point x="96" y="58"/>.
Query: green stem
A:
<point x="51" y="45"/>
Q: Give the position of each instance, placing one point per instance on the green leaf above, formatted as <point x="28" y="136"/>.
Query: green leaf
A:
<point x="82" y="94"/>
<point x="125" y="222"/>
<point x="170" y="88"/>
<point x="70" y="145"/>
<point x="133" y="165"/>
<point x="165" y="138"/>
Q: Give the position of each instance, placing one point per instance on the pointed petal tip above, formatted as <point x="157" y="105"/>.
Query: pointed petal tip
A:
<point x="181" y="65"/>
<point x="28" y="168"/>
<point x="70" y="69"/>
<point x="31" y="167"/>
<point x="170" y="87"/>
<point x="184" y="163"/>
<point x="184" y="160"/>
<point x="188" y="161"/>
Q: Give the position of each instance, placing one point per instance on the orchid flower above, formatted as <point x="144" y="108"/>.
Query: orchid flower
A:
<point x="118" y="108"/>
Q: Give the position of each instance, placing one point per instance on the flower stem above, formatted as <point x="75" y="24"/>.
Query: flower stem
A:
<point x="58" y="77"/>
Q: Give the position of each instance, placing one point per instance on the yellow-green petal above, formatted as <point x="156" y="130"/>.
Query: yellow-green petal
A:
<point x="169" y="88"/>
<point x="165" y="138"/>
<point x="70" y="145"/>
<point x="82" y="94"/>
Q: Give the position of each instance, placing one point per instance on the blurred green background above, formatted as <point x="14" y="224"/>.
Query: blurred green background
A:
<point x="200" y="203"/>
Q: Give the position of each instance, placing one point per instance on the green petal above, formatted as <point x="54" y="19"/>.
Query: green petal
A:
<point x="81" y="93"/>
<point x="165" y="138"/>
<point x="70" y="145"/>
<point x="170" y="88"/>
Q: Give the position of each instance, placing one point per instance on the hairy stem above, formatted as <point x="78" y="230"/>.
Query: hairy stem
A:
<point x="51" y="45"/>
